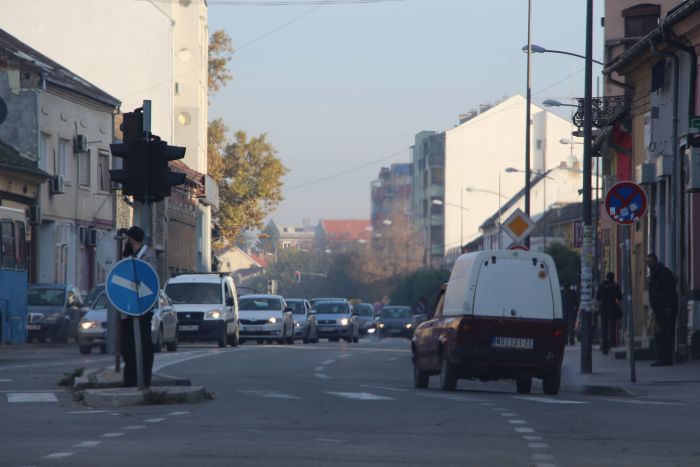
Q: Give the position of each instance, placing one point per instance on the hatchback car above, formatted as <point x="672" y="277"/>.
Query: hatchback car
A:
<point x="365" y="318"/>
<point x="336" y="320"/>
<point x="395" y="321"/>
<point x="266" y="317"/>
<point x="53" y="312"/>
<point x="305" y="327"/>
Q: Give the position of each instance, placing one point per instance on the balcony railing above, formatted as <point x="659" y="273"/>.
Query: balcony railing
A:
<point x="605" y="110"/>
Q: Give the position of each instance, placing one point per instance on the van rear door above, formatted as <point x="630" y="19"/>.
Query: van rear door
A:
<point x="514" y="309"/>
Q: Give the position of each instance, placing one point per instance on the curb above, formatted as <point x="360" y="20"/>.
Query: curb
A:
<point x="600" y="390"/>
<point x="93" y="380"/>
<point x="120" y="397"/>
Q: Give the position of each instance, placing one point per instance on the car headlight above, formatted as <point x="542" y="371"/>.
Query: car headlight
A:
<point x="344" y="321"/>
<point x="89" y="324"/>
<point x="297" y="324"/>
<point x="371" y="330"/>
<point x="272" y="320"/>
<point x="213" y="314"/>
<point x="381" y="325"/>
<point x="409" y="325"/>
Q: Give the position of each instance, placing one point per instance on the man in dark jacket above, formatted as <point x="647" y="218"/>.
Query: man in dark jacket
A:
<point x="609" y="294"/>
<point x="664" y="303"/>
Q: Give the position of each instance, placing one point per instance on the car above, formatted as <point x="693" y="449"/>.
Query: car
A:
<point x="53" y="312"/>
<point x="395" y="321"/>
<point x="207" y="307"/>
<point x="305" y="327"/>
<point x="266" y="317"/>
<point x="92" y="329"/>
<point x="313" y="301"/>
<point x="498" y="317"/>
<point x="365" y="318"/>
<point x="92" y="295"/>
<point x="336" y="320"/>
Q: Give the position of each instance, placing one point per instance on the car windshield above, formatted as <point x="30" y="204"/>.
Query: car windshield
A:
<point x="94" y="293"/>
<point x="259" y="303"/>
<point x="46" y="296"/>
<point x="396" y="313"/>
<point x="332" y="308"/>
<point x="364" y="310"/>
<point x="194" y="293"/>
<point x="297" y="307"/>
<point x="100" y="302"/>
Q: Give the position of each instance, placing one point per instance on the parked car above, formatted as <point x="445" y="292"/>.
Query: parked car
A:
<point x="207" y="307"/>
<point x="92" y="330"/>
<point x="395" y="321"/>
<point x="305" y="327"/>
<point x="365" y="318"/>
<point x="53" y="312"/>
<point x="266" y="317"/>
<point x="499" y="317"/>
<point x="336" y="320"/>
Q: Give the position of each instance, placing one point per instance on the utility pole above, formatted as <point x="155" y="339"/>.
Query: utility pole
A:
<point x="528" y="101"/>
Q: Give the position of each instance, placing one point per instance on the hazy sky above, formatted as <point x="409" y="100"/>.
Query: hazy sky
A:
<point x="346" y="87"/>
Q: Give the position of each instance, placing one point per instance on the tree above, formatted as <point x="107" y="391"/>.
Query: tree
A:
<point x="568" y="263"/>
<point x="425" y="283"/>
<point x="220" y="53"/>
<point x="250" y="184"/>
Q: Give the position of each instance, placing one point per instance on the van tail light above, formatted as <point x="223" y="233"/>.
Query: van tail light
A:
<point x="558" y="333"/>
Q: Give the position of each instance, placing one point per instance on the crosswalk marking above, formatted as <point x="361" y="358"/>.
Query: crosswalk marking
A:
<point x="363" y="396"/>
<point x="31" y="397"/>
<point x="548" y="400"/>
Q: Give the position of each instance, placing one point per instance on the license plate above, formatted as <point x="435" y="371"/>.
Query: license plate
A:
<point x="513" y="343"/>
<point x="33" y="327"/>
<point x="253" y="328"/>
<point x="191" y="327"/>
<point x="394" y="331"/>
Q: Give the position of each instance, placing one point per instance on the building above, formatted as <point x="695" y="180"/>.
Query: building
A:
<point x="167" y="42"/>
<point x="456" y="188"/>
<point x="58" y="125"/>
<point x="342" y="235"/>
<point x="285" y="237"/>
<point x="391" y="203"/>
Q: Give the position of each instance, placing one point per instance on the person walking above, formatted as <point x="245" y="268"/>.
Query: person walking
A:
<point x="136" y="248"/>
<point x="664" y="304"/>
<point x="609" y="295"/>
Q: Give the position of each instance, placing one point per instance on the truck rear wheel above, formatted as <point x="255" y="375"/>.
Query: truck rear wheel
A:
<point x="420" y="377"/>
<point x="523" y="385"/>
<point x="448" y="376"/>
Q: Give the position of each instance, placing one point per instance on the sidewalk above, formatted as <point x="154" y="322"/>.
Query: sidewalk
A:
<point x="611" y="377"/>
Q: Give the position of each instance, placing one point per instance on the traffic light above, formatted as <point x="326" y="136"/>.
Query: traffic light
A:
<point x="161" y="178"/>
<point x="297" y="276"/>
<point x="133" y="175"/>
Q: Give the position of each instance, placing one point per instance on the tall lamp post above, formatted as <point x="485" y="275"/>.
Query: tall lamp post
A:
<point x="528" y="102"/>
<point x="439" y="202"/>
<point x="500" y="196"/>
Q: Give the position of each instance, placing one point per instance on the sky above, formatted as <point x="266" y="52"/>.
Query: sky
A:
<point x="341" y="89"/>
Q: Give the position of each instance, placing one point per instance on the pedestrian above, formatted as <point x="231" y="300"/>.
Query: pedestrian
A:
<point x="664" y="304"/>
<point x="136" y="248"/>
<point x="609" y="295"/>
<point x="569" y="305"/>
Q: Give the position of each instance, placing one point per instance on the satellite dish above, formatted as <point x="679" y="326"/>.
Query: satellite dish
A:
<point x="107" y="250"/>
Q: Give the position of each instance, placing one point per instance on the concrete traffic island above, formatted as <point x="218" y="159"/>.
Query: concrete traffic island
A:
<point x="120" y="397"/>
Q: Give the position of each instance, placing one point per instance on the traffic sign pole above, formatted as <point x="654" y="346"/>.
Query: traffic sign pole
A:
<point x="136" y="322"/>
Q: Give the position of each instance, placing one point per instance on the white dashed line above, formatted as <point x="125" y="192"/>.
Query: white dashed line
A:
<point x="538" y="456"/>
<point x="31" y="397"/>
<point x="6" y="380"/>
<point x="327" y="362"/>
<point x="112" y="435"/>
<point x="363" y="396"/>
<point x="517" y="422"/>
<point x="488" y="404"/>
<point x="322" y="376"/>
<point x="87" y="444"/>
<point x="499" y="409"/>
<point x="178" y="414"/>
<point x="509" y="414"/>
<point x="134" y="427"/>
<point x="627" y="401"/>
<point x="538" y="445"/>
<point x="154" y="420"/>
<point x="329" y="440"/>
<point x="548" y="400"/>
<point x="386" y="388"/>
<point x="532" y="438"/>
<point x="319" y="368"/>
<point x="524" y="429"/>
<point x="58" y="455"/>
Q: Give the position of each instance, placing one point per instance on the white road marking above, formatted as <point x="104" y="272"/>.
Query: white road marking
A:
<point x="626" y="401"/>
<point x="499" y="409"/>
<point x="80" y="412"/>
<point x="517" y="422"/>
<point x="6" y="380"/>
<point x="524" y="429"/>
<point x="58" y="455"/>
<point x="31" y="397"/>
<point x="363" y="396"/>
<point x="112" y="435"/>
<point x="87" y="444"/>
<point x="449" y="398"/>
<point x="178" y="414"/>
<point x="488" y="404"/>
<point x="322" y="376"/>
<point x="134" y="427"/>
<point x="532" y="438"/>
<point x="548" y="400"/>
<point x="154" y="420"/>
<point x="386" y="388"/>
<point x="327" y="362"/>
<point x="538" y="456"/>
<point x="166" y="361"/>
<point x="329" y="440"/>
<point x="509" y="414"/>
<point x="319" y="368"/>
<point x="538" y="445"/>
<point x="269" y="394"/>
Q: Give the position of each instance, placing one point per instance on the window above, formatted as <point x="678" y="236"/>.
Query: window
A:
<point x="21" y="252"/>
<point x="84" y="168"/>
<point x="63" y="159"/>
<point x="45" y="151"/>
<point x="8" y="245"/>
<point x="641" y="19"/>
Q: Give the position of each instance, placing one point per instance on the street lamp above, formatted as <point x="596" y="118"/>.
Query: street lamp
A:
<point x="439" y="202"/>
<point x="538" y="49"/>
<point x="556" y="103"/>
<point x="500" y="196"/>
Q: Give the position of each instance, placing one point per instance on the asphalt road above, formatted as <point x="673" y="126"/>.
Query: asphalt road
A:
<point x="328" y="404"/>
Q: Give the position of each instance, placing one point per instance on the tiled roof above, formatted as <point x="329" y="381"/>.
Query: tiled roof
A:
<point x="53" y="72"/>
<point x="347" y="230"/>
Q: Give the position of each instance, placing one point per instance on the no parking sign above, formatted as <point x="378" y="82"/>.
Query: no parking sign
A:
<point x="626" y="203"/>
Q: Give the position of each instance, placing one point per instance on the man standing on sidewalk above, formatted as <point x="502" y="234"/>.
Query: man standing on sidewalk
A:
<point x="664" y="302"/>
<point x="609" y="294"/>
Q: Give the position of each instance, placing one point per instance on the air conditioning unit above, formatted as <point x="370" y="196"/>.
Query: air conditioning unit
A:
<point x="35" y="214"/>
<point x="80" y="143"/>
<point x="92" y="237"/>
<point x="646" y="173"/>
<point x="57" y="185"/>
<point x="692" y="170"/>
<point x="664" y="165"/>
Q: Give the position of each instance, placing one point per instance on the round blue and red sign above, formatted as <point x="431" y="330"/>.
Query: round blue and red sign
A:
<point x="626" y="203"/>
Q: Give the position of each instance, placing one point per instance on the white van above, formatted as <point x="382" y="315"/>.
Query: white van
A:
<point x="500" y="316"/>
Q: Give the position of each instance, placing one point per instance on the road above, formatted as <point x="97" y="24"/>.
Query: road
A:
<point x="328" y="404"/>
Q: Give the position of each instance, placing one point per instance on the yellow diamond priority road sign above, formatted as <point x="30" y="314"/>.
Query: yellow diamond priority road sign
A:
<point x="518" y="225"/>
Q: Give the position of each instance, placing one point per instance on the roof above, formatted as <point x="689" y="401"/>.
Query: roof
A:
<point x="259" y="295"/>
<point x="53" y="72"/>
<point x="205" y="278"/>
<point x="11" y="161"/>
<point x="676" y="15"/>
<point x="346" y="230"/>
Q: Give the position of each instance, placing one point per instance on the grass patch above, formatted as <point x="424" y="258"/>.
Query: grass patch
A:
<point x="69" y="378"/>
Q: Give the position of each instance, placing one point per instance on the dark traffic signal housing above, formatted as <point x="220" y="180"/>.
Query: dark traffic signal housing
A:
<point x="161" y="178"/>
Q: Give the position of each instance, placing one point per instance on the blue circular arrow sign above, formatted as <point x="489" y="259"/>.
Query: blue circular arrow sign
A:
<point x="626" y="203"/>
<point x="132" y="286"/>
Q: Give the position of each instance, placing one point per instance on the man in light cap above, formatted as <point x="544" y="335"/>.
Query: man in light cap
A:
<point x="136" y="248"/>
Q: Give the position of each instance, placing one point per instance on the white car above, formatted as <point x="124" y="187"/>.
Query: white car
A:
<point x="207" y="309"/>
<point x="266" y="317"/>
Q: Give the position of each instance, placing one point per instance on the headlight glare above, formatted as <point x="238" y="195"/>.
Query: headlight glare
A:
<point x="272" y="320"/>
<point x="409" y="326"/>
<point x="344" y="322"/>
<point x="213" y="314"/>
<point x="381" y="325"/>
<point x="88" y="324"/>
